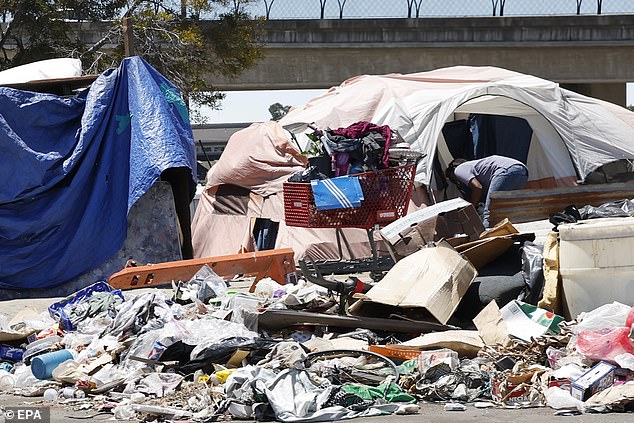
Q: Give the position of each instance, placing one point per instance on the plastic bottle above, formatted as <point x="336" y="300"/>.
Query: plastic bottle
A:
<point x="50" y="394"/>
<point x="7" y="381"/>
<point x="71" y="392"/>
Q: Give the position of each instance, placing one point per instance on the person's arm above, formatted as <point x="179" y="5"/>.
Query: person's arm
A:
<point x="476" y="191"/>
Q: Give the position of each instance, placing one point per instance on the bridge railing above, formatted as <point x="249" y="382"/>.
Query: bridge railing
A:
<point x="359" y="9"/>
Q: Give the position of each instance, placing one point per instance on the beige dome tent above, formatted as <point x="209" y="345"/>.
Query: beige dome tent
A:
<point x="572" y="135"/>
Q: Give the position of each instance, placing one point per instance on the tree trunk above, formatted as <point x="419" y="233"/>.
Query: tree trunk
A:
<point x="599" y="4"/>
<point x="579" y="6"/>
<point x="128" y="36"/>
<point x="322" y="5"/>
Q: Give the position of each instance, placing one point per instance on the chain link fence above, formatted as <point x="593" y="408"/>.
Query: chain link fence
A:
<point x="359" y="9"/>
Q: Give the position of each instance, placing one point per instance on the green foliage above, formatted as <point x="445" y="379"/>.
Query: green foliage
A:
<point x="278" y="111"/>
<point x="187" y="51"/>
<point x="316" y="147"/>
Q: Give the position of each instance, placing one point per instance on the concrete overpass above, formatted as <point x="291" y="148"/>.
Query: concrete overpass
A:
<point x="593" y="55"/>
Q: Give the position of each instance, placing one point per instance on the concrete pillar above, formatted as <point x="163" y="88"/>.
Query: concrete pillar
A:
<point x="614" y="92"/>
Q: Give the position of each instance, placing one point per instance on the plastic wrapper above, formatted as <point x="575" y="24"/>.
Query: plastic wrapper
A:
<point x="223" y="330"/>
<point x="559" y="399"/>
<point x="607" y="316"/>
<point x="205" y="285"/>
<point x="605" y="344"/>
<point x="625" y="361"/>
<point x="620" y="208"/>
<point x="532" y="272"/>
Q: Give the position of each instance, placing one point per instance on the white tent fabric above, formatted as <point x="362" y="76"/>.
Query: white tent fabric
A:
<point x="44" y="69"/>
<point x="571" y="131"/>
<point x="572" y="135"/>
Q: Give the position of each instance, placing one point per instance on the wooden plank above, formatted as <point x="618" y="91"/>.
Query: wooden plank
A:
<point x="279" y="265"/>
<point x="536" y="204"/>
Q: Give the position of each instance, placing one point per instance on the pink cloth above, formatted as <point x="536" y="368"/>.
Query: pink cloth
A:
<point x="261" y="158"/>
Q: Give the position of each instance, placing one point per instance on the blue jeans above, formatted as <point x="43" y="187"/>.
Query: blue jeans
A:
<point x="510" y="179"/>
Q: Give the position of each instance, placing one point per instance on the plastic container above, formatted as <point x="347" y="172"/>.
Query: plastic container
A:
<point x="38" y="347"/>
<point x="596" y="262"/>
<point x="72" y="392"/>
<point x="50" y="394"/>
<point x="12" y="354"/>
<point x="43" y="365"/>
<point x="7" y="381"/>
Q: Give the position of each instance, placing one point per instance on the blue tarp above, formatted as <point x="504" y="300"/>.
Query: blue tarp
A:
<point x="71" y="169"/>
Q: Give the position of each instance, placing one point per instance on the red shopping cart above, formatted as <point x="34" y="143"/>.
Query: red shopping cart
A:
<point x="386" y="198"/>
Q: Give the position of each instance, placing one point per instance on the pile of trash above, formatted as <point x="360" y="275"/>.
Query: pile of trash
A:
<point x="291" y="350"/>
<point x="198" y="352"/>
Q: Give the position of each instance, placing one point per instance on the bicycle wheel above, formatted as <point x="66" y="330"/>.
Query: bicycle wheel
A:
<point x="352" y="366"/>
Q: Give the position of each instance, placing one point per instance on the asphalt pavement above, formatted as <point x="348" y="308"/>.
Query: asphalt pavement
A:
<point x="433" y="413"/>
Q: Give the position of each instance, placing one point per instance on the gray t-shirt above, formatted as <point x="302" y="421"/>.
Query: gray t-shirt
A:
<point x="484" y="169"/>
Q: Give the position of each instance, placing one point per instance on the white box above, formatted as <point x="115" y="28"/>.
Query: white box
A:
<point x="596" y="262"/>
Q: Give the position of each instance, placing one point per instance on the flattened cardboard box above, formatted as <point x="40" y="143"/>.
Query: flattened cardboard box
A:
<point x="434" y="278"/>
<point x="443" y="220"/>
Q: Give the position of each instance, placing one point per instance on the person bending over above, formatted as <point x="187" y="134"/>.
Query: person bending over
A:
<point x="477" y="179"/>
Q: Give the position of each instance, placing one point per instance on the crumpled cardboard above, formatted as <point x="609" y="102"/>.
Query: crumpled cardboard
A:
<point x="491" y="326"/>
<point x="467" y="343"/>
<point x="614" y="398"/>
<point x="16" y="329"/>
<point x="434" y="279"/>
<point x="446" y="219"/>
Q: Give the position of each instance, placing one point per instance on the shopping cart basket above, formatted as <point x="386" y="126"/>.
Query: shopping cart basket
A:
<point x="386" y="198"/>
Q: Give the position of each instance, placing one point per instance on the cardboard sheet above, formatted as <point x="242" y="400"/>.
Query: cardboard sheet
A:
<point x="467" y="343"/>
<point x="434" y="279"/>
<point x="448" y="219"/>
<point x="491" y="325"/>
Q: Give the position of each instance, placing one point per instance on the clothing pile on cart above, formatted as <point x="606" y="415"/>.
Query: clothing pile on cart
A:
<point x="360" y="147"/>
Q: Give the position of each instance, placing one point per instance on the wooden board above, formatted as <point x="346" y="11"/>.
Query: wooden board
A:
<point x="535" y="204"/>
<point x="279" y="265"/>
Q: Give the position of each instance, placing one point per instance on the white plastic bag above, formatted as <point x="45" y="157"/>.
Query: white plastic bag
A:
<point x="607" y="316"/>
<point x="559" y="399"/>
<point x="625" y="361"/>
<point x="267" y="288"/>
<point x="23" y="376"/>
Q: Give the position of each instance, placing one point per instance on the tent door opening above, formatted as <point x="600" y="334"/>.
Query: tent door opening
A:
<point x="484" y="135"/>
